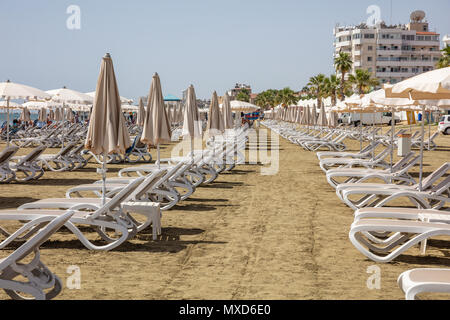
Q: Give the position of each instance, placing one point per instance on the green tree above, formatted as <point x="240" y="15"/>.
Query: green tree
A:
<point x="343" y="63"/>
<point x="317" y="87"/>
<point x="287" y="97"/>
<point x="363" y="81"/>
<point x="243" y="95"/>
<point x="332" y="86"/>
<point x="444" y="61"/>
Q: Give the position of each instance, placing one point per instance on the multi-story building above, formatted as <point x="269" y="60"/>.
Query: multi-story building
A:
<point x="237" y="88"/>
<point x="390" y="53"/>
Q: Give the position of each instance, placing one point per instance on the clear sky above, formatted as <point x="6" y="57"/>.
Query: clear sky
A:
<point x="210" y="44"/>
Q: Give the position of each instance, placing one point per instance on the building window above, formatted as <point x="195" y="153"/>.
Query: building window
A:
<point x="369" y="69"/>
<point x="369" y="58"/>
<point x="369" y="36"/>
<point x="370" y="48"/>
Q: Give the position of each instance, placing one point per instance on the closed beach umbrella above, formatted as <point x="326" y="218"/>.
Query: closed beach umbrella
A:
<point x="333" y="120"/>
<point x="307" y="117"/>
<point x="51" y="115"/>
<point x="322" y="120"/>
<point x="192" y="125"/>
<point x="107" y="132"/>
<point x="313" y="115"/>
<point x="156" y="125"/>
<point x="25" y="115"/>
<point x="215" y="121"/>
<point x="141" y="113"/>
<point x="58" y="114"/>
<point x="70" y="115"/>
<point x="226" y="112"/>
<point x="42" y="115"/>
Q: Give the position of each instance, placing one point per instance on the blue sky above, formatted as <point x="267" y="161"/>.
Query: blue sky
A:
<point x="210" y="44"/>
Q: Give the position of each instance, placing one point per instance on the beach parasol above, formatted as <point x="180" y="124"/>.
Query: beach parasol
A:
<point x="107" y="132"/>
<point x="156" y="128"/>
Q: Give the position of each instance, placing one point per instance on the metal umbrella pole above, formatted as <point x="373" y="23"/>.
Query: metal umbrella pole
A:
<point x="421" y="149"/>
<point x="7" y="122"/>
<point x="392" y="135"/>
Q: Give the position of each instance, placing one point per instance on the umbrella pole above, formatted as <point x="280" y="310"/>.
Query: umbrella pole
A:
<point x="64" y="130"/>
<point x="421" y="150"/>
<point x="104" y="179"/>
<point x="373" y="135"/>
<point x="392" y="135"/>
<point x="7" y="123"/>
<point x="159" y="157"/>
<point x="360" y="131"/>
<point x="429" y="130"/>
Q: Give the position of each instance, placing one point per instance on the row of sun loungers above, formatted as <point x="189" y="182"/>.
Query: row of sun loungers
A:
<point x="382" y="232"/>
<point x="133" y="202"/>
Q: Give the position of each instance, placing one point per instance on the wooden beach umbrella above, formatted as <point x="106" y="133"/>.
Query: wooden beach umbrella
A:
<point x="192" y="125"/>
<point x="215" y="125"/>
<point x="141" y="113"/>
<point x="226" y="112"/>
<point x="107" y="132"/>
<point x="156" y="128"/>
<point x="25" y="115"/>
<point x="322" y="119"/>
<point x="12" y="91"/>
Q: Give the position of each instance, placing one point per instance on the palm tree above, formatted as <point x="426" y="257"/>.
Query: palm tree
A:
<point x="444" y="61"/>
<point x="287" y="96"/>
<point x="363" y="80"/>
<point x="343" y="63"/>
<point x="243" y="95"/>
<point x="332" y="87"/>
<point x="317" y="87"/>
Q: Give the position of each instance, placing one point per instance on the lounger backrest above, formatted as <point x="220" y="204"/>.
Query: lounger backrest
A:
<point x="408" y="166"/>
<point x="428" y="181"/>
<point x="33" y="155"/>
<point x="433" y="136"/>
<point x="37" y="240"/>
<point x="121" y="196"/>
<point x="383" y="154"/>
<point x="441" y="186"/>
<point x="399" y="164"/>
<point x="7" y="153"/>
<point x="67" y="149"/>
<point x="149" y="184"/>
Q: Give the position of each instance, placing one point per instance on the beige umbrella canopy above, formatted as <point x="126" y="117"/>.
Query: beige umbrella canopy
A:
<point x="70" y="115"/>
<point x="192" y="125"/>
<point x="51" y="115"/>
<point x="141" y="113"/>
<point x="226" y="112"/>
<point x="156" y="125"/>
<point x="322" y="120"/>
<point x="58" y="114"/>
<point x="313" y="115"/>
<point x="107" y="132"/>
<point x="25" y="115"/>
<point x="333" y="120"/>
<point x="42" y="115"/>
<point x="215" y="121"/>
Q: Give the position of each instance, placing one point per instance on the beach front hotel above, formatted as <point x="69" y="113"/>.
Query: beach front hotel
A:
<point x="391" y="53"/>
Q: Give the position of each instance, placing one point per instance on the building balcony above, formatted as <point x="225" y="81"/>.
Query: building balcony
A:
<point x="408" y="63"/>
<point x="395" y="74"/>
<point x="389" y="52"/>
<point x="390" y="41"/>
<point x="343" y="44"/>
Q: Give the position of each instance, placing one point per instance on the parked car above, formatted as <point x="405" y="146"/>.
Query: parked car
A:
<point x="444" y="125"/>
<point x="368" y="118"/>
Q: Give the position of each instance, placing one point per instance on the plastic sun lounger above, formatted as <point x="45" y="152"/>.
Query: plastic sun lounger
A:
<point x="39" y="277"/>
<point x="58" y="162"/>
<point x="416" y="281"/>
<point x="405" y="235"/>
<point x="28" y="165"/>
<point x="105" y="217"/>
<point x="357" y="175"/>
<point x="6" y="173"/>
<point x="158" y="191"/>
<point x="427" y="183"/>
<point x="379" y="195"/>
<point x="377" y="161"/>
<point x="363" y="154"/>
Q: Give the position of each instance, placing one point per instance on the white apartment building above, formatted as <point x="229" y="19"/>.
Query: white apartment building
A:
<point x="391" y="53"/>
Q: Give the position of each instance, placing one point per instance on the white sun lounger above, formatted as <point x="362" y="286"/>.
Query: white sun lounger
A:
<point x="100" y="218"/>
<point x="416" y="281"/>
<point x="40" y="282"/>
<point x="6" y="173"/>
<point x="28" y="165"/>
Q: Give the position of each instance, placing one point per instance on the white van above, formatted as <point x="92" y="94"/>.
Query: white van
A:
<point x="444" y="124"/>
<point x="368" y="118"/>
